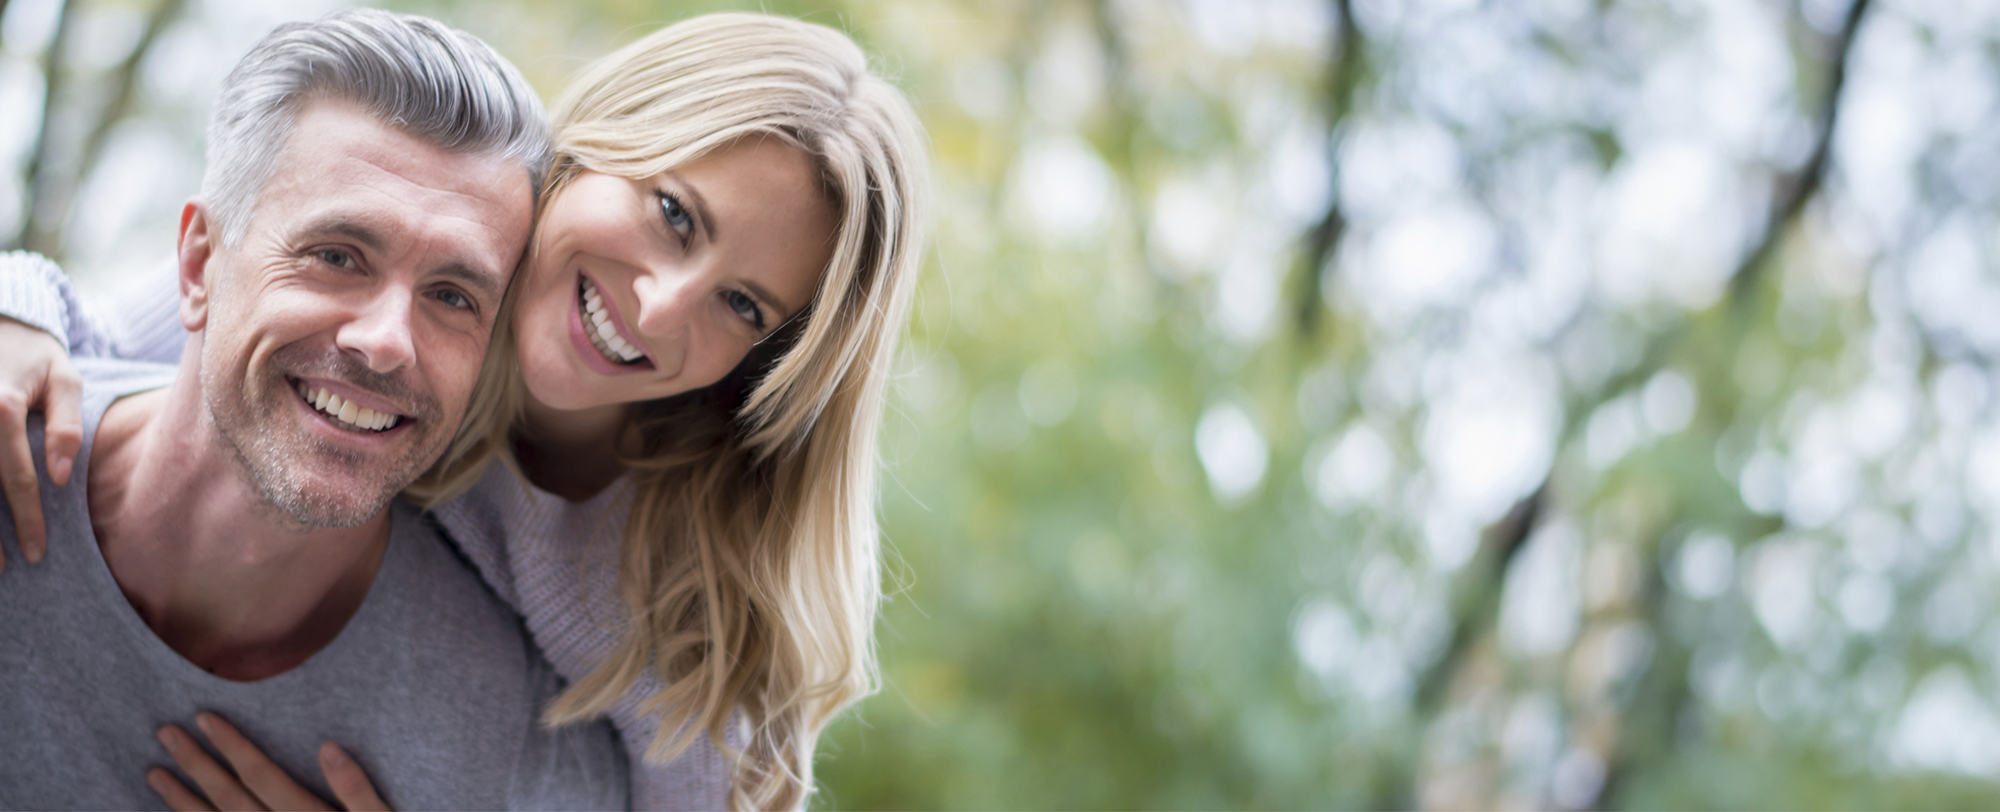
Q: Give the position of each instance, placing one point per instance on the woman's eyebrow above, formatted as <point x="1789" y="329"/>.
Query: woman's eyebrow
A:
<point x="698" y="203"/>
<point x="762" y="293"/>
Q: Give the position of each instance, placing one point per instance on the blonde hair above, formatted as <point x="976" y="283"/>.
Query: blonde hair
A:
<point x="750" y="564"/>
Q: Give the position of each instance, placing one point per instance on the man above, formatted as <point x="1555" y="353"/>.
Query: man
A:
<point x="369" y="191"/>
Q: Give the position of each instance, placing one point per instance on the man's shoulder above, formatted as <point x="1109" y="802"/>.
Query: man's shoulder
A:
<point x="432" y="579"/>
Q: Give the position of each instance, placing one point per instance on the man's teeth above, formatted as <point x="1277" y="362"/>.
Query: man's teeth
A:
<point x="347" y="411"/>
<point x="602" y="334"/>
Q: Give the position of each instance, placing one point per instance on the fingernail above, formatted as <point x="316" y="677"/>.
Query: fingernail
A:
<point x="157" y="779"/>
<point x="333" y="755"/>
<point x="34" y="552"/>
<point x="202" y="720"/>
<point x="60" y="470"/>
<point x="167" y="737"/>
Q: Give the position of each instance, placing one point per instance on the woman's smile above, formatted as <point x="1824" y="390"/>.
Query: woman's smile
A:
<point x="600" y="337"/>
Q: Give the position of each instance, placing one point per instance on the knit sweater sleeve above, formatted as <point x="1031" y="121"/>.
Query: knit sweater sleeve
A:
<point x="142" y="325"/>
<point x="34" y="291"/>
<point x="555" y="562"/>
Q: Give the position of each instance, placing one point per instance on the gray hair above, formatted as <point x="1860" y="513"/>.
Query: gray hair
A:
<point x="438" y="84"/>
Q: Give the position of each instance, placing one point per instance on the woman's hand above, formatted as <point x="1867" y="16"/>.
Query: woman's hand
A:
<point x="256" y="783"/>
<point x="35" y="373"/>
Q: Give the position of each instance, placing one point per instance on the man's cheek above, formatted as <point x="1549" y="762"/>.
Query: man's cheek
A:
<point x="453" y="361"/>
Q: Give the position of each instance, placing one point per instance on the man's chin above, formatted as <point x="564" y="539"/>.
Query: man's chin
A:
<point x="320" y="502"/>
<point x="324" y="482"/>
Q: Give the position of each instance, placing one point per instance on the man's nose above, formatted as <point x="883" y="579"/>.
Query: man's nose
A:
<point x="380" y="331"/>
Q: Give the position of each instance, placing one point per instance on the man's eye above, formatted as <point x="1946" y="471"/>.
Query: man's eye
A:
<point x="335" y="257"/>
<point x="745" y="307"/>
<point x="454" y="298"/>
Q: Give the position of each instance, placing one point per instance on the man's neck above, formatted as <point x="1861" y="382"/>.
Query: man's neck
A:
<point x="231" y="582"/>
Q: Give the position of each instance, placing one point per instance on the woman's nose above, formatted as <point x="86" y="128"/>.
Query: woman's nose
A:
<point x="667" y="307"/>
<point x="666" y="302"/>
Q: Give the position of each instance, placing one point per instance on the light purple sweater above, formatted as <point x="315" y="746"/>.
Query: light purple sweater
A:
<point x="553" y="560"/>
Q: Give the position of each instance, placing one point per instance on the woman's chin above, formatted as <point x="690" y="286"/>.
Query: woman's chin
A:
<point x="567" y="392"/>
<point x="556" y="382"/>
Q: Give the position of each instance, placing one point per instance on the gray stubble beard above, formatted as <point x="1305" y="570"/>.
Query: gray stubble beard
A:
<point x="273" y="469"/>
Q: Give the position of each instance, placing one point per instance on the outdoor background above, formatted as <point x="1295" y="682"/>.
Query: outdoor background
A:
<point x="1352" y="403"/>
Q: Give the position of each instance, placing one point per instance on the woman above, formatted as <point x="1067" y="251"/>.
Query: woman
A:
<point x="697" y="347"/>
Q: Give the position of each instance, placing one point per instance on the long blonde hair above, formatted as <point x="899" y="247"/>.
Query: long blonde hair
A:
<point x="750" y="564"/>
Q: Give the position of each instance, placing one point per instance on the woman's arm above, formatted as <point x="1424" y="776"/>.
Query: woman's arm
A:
<point x="35" y="295"/>
<point x="145" y="324"/>
<point x="35" y="292"/>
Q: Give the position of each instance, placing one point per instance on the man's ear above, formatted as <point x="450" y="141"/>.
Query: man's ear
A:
<point x="197" y="246"/>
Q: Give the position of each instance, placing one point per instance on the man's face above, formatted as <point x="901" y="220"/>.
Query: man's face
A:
<point x="371" y="271"/>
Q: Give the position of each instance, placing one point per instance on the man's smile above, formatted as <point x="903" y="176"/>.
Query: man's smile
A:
<point x="347" y="412"/>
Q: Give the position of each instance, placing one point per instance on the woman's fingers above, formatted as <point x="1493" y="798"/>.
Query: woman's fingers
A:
<point x="18" y="479"/>
<point x="35" y="375"/>
<point x="256" y="783"/>
<point x="265" y="779"/>
<point x="177" y="797"/>
<point x="64" y="435"/>
<point x="350" y="785"/>
<point x="222" y="788"/>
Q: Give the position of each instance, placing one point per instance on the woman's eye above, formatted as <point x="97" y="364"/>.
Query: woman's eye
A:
<point x="745" y="307"/>
<point x="677" y="215"/>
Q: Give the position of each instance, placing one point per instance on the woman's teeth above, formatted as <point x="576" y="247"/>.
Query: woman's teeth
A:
<point x="604" y="336"/>
<point x="345" y="411"/>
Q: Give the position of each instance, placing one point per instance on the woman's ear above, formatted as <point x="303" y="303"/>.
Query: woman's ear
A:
<point x="196" y="248"/>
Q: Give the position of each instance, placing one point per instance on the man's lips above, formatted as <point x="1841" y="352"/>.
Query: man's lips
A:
<point x="347" y="407"/>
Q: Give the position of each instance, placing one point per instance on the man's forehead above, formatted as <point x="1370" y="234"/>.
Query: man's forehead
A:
<point x="335" y="136"/>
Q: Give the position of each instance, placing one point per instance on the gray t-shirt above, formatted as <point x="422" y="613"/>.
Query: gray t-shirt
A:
<point x="432" y="686"/>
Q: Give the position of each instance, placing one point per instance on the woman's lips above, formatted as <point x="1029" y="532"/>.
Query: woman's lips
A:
<point x="582" y="332"/>
<point x="601" y="324"/>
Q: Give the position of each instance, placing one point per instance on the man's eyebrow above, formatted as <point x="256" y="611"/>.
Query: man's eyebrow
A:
<point x="482" y="282"/>
<point x="699" y="204"/>
<point x="346" y="228"/>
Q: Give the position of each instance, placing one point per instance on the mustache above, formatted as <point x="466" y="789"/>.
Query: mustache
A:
<point x="301" y="361"/>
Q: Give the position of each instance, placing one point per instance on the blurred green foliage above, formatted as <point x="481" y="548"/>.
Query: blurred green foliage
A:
<point x="1445" y="404"/>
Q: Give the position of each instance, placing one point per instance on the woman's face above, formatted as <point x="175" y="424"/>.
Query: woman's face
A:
<point x="642" y="289"/>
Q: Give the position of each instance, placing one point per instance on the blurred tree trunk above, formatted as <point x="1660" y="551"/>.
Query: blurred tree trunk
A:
<point x="59" y="166"/>
<point x="40" y="175"/>
<point x="1477" y="594"/>
<point x="1663" y="694"/>
<point x="1343" y="78"/>
<point x="1795" y="189"/>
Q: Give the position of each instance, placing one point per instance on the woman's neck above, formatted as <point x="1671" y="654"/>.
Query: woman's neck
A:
<point x="571" y="453"/>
